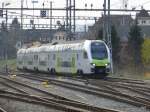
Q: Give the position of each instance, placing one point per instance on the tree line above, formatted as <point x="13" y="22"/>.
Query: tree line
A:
<point x="137" y="51"/>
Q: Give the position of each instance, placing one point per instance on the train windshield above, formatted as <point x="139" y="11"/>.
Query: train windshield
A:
<point x="98" y="50"/>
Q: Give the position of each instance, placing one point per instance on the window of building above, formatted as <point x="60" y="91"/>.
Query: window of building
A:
<point x="143" y="21"/>
<point x="122" y="21"/>
<point x="59" y="37"/>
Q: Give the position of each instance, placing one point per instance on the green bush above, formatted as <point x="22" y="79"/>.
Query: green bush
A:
<point x="146" y="52"/>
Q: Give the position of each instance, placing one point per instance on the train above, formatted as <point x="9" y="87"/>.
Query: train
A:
<point x="88" y="57"/>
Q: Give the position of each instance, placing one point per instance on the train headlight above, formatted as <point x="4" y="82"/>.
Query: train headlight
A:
<point x="93" y="64"/>
<point x="107" y="65"/>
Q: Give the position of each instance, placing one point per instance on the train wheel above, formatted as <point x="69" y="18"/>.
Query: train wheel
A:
<point x="53" y="72"/>
<point x="48" y="70"/>
<point x="34" y="68"/>
<point x="80" y="72"/>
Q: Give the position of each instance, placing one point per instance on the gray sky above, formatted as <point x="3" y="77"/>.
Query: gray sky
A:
<point x="79" y="4"/>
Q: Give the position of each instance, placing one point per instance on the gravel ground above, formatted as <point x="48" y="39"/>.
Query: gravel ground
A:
<point x="83" y="97"/>
<point x="16" y="106"/>
<point x="2" y="87"/>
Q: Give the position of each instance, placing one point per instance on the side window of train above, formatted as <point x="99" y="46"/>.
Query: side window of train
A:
<point x="54" y="56"/>
<point x="35" y="57"/>
<point x="48" y="57"/>
<point x="85" y="55"/>
<point x="77" y="56"/>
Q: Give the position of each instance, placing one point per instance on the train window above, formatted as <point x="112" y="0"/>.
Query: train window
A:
<point x="35" y="57"/>
<point x="98" y="50"/>
<point x="30" y="62"/>
<point x="43" y="63"/>
<point x="73" y="62"/>
<point x="20" y="62"/>
<point x="77" y="56"/>
<point x="85" y="55"/>
<point x="54" y="56"/>
<point x="48" y="56"/>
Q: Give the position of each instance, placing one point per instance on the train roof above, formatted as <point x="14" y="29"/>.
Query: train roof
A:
<point x="72" y="45"/>
<point x="21" y="51"/>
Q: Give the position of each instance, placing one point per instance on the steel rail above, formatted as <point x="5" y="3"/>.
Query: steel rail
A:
<point x="38" y="101"/>
<point x="77" y="103"/>
<point x="2" y="110"/>
<point x="126" y="80"/>
<point x="15" y="88"/>
<point x="100" y="92"/>
<point x="53" y="103"/>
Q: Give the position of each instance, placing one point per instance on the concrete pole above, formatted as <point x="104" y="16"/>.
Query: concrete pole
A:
<point x="109" y="36"/>
<point x="104" y="21"/>
<point x="6" y="19"/>
<point x="70" y="18"/>
<point x="67" y="3"/>
<point x="21" y="13"/>
<point x="50" y="15"/>
<point x="74" y="15"/>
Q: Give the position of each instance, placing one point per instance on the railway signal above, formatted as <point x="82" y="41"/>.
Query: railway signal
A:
<point x="43" y="13"/>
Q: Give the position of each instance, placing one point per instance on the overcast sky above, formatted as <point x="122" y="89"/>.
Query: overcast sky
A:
<point x="79" y="4"/>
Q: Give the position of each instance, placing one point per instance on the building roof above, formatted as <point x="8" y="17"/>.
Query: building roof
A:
<point x="143" y="13"/>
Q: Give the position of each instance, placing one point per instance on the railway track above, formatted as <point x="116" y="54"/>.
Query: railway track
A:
<point x="108" y="90"/>
<point x="44" y="101"/>
<point x="70" y="105"/>
<point x="138" y="86"/>
<point x="125" y="80"/>
<point x="112" y="94"/>
<point x="33" y="99"/>
<point x="142" y="89"/>
<point x="2" y="110"/>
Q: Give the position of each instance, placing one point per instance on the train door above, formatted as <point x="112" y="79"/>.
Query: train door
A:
<point x="85" y="64"/>
<point x="51" y="61"/>
<point x="42" y="61"/>
<point x="65" y="61"/>
<point x="79" y="60"/>
<point x="36" y="61"/>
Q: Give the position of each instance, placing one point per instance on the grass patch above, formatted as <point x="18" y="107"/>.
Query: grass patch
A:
<point x="11" y="63"/>
<point x="147" y="76"/>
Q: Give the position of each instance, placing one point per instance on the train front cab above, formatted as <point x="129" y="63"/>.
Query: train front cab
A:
<point x="100" y="58"/>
